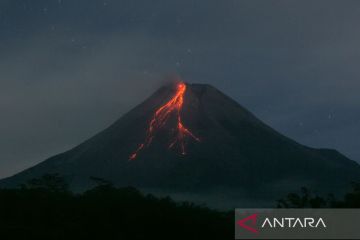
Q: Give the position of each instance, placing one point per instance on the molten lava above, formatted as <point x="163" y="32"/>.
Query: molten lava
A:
<point x="160" y="118"/>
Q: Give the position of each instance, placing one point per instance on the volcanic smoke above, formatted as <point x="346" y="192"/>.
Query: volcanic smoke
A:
<point x="160" y="118"/>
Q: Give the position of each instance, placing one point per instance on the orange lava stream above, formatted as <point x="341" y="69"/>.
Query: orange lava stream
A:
<point x="162" y="114"/>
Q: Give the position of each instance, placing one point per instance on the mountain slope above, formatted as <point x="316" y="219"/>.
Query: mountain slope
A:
<point x="237" y="153"/>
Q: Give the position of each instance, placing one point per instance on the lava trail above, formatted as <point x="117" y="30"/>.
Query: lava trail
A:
<point x="160" y="118"/>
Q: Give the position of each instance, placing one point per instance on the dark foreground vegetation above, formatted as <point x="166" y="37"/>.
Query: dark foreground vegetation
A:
<point x="308" y="199"/>
<point x="45" y="209"/>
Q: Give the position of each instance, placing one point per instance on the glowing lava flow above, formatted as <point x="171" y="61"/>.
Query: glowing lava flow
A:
<point x="161" y="116"/>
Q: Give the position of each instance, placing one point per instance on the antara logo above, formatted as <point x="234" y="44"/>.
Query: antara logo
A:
<point x="290" y="222"/>
<point x="249" y="223"/>
<point x="252" y="219"/>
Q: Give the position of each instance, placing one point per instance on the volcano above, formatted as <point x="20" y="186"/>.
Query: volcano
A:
<point x="195" y="143"/>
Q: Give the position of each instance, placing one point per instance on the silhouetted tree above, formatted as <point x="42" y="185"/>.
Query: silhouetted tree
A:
<point x="351" y="200"/>
<point x="307" y="199"/>
<point x="49" y="182"/>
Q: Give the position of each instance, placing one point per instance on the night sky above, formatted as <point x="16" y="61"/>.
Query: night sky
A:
<point x="69" y="68"/>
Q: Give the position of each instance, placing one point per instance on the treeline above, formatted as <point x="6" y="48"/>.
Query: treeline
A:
<point x="44" y="208"/>
<point x="308" y="199"/>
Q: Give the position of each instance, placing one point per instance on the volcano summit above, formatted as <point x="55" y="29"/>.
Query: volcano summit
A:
<point x="193" y="141"/>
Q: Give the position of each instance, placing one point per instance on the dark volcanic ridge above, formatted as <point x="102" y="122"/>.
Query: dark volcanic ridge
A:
<point x="238" y="158"/>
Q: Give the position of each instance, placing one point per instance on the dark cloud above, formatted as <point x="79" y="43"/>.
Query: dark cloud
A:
<point x="70" y="68"/>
